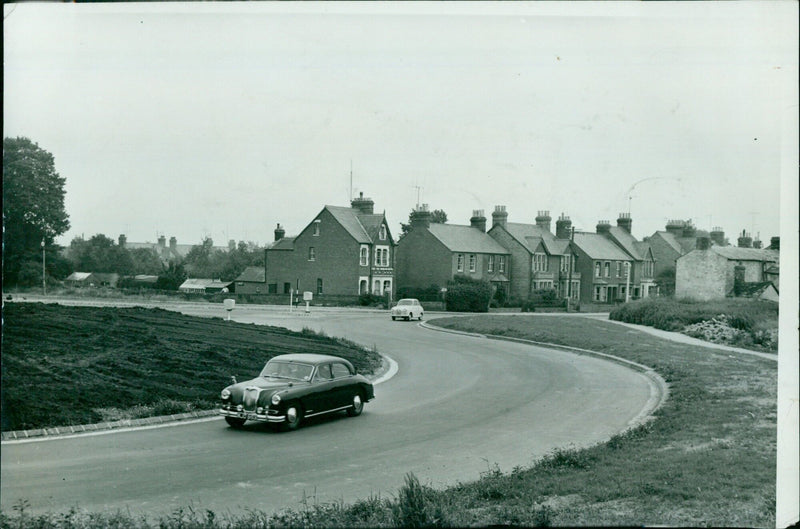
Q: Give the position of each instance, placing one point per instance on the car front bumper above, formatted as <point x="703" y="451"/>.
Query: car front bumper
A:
<point x="270" y="416"/>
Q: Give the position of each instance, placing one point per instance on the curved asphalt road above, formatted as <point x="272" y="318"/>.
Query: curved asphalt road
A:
<point x="457" y="405"/>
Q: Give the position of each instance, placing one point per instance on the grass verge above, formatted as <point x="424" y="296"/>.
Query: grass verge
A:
<point x="158" y="361"/>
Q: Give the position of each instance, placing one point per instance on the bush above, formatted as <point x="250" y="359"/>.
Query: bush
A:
<point x="371" y="300"/>
<point x="431" y="293"/>
<point x="465" y="294"/>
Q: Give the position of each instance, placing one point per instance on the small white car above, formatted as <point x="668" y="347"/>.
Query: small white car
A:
<point x="407" y="309"/>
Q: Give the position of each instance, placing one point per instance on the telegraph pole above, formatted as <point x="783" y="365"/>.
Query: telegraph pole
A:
<point x="44" y="272"/>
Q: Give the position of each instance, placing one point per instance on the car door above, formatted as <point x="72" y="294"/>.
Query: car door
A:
<point x="322" y="396"/>
<point x="344" y="388"/>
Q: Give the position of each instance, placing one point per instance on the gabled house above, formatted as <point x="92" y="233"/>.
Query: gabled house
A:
<point x="173" y="252"/>
<point x="539" y="259"/>
<point x="604" y="268"/>
<point x="679" y="238"/>
<point x="642" y="258"/>
<point x="434" y="253"/>
<point x="92" y="279"/>
<point x="342" y="251"/>
<point x="711" y="272"/>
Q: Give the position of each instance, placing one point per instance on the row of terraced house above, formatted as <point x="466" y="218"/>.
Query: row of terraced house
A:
<point x="351" y="250"/>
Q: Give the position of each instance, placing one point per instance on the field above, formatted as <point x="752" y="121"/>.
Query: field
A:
<point x="106" y="364"/>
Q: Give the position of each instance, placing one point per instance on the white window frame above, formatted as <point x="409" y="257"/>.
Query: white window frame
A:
<point x="490" y="264"/>
<point x="598" y="268"/>
<point x="315" y="232"/>
<point x="381" y="256"/>
<point x="472" y="260"/>
<point x="460" y="262"/>
<point x="364" y="255"/>
<point x="501" y="264"/>
<point x="607" y="269"/>
<point x="312" y="254"/>
<point x="319" y="286"/>
<point x="382" y="234"/>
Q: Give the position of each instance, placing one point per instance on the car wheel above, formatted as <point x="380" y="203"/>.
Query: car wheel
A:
<point x="420" y="317"/>
<point x="358" y="406"/>
<point x="393" y="318"/>
<point x="294" y="415"/>
<point x="410" y="315"/>
<point x="235" y="422"/>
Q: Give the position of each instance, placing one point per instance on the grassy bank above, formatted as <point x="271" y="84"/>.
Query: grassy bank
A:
<point x="739" y="322"/>
<point x="157" y="361"/>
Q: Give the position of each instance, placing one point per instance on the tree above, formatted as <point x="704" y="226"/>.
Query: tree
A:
<point x="438" y="216"/>
<point x="100" y="254"/>
<point x="33" y="205"/>
<point x="666" y="281"/>
<point x="172" y="278"/>
<point x="145" y="261"/>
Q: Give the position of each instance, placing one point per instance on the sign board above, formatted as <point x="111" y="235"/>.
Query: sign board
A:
<point x="308" y="296"/>
<point x="229" y="304"/>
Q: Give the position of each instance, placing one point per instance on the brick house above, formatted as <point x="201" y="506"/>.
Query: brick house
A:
<point x="173" y="252"/>
<point x="539" y="259"/>
<point x="342" y="251"/>
<point x="642" y="281"/>
<point x="710" y="271"/>
<point x="433" y="253"/>
<point x="252" y="280"/>
<point x="603" y="267"/>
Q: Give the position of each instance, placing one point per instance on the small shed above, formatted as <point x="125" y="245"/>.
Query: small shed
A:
<point x="204" y="286"/>
<point x="79" y="279"/>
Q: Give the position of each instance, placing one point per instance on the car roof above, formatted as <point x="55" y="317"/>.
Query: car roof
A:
<point x="310" y="358"/>
<point x="408" y="299"/>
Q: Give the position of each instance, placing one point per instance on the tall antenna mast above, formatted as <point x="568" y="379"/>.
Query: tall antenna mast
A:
<point x="351" y="179"/>
<point x="417" y="188"/>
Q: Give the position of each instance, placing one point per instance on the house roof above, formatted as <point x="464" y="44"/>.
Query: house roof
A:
<point x="356" y="223"/>
<point x="106" y="276"/>
<point x="734" y="253"/>
<point x="78" y="276"/>
<point x="204" y="283"/>
<point x="144" y="278"/>
<point x="626" y="240"/>
<point x="253" y="274"/>
<point x="459" y="238"/>
<point x="285" y="243"/>
<point x="522" y="232"/>
<point x="643" y="247"/>
<point x="598" y="246"/>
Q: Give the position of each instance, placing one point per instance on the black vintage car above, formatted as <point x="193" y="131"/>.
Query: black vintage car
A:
<point x="296" y="386"/>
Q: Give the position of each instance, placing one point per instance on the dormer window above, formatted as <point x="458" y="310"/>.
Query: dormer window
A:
<point x="382" y="234"/>
<point x="316" y="228"/>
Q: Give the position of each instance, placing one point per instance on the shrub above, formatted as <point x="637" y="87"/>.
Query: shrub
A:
<point x="431" y="293"/>
<point x="465" y="294"/>
<point x="371" y="300"/>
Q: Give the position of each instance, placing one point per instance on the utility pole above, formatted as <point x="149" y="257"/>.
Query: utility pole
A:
<point x="44" y="272"/>
<point x="571" y="264"/>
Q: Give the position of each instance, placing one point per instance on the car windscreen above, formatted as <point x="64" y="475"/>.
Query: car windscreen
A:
<point x="287" y="370"/>
<point x="405" y="302"/>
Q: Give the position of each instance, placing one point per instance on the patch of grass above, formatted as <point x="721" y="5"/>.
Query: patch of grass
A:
<point x="157" y="362"/>
<point x="707" y="458"/>
<point x="751" y="323"/>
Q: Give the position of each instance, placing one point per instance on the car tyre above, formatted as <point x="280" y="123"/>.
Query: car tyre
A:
<point x="393" y="318"/>
<point x="420" y="317"/>
<point x="358" y="406"/>
<point x="294" y="416"/>
<point x="410" y="315"/>
<point x="235" y="422"/>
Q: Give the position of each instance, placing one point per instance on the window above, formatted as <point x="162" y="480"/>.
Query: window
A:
<point x="382" y="256"/>
<point x="460" y="262"/>
<point x="323" y="373"/>
<point x="564" y="263"/>
<point x="619" y="268"/>
<point x="362" y="286"/>
<point x="272" y="288"/>
<point x="625" y="268"/>
<point x="287" y="288"/>
<point x="490" y="266"/>
<point x="472" y="262"/>
<point x="364" y="261"/>
<point x="340" y="370"/>
<point x="376" y="289"/>
<point x="597" y="269"/>
<point x="316" y="228"/>
<point x="539" y="262"/>
<point x="599" y="293"/>
<point x="387" y="286"/>
<point x="501" y="264"/>
<point x="319" y="285"/>
<point x="312" y="254"/>
<point x="382" y="234"/>
<point x="607" y="269"/>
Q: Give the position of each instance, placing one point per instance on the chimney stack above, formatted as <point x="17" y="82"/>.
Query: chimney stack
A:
<point x="421" y="217"/>
<point x="745" y="240"/>
<point x="499" y="216"/>
<point x="703" y="243"/>
<point x="543" y="220"/>
<point x="122" y="240"/>
<point x="675" y="227"/>
<point x="775" y="243"/>
<point x="231" y="245"/>
<point x="173" y="243"/>
<point x="563" y="227"/>
<point x="603" y="226"/>
<point x="478" y="220"/>
<point x="689" y="230"/>
<point x="363" y="205"/>
<point x="624" y="221"/>
<point x="279" y="232"/>
<point x="718" y="236"/>
<point x="162" y="241"/>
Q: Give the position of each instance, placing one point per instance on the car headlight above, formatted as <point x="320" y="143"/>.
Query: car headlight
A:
<point x="276" y="399"/>
<point x="226" y="394"/>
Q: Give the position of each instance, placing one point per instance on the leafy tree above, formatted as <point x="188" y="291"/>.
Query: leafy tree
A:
<point x="100" y="254"/>
<point x="145" y="261"/>
<point x="438" y="216"/>
<point x="204" y="260"/>
<point x="33" y="206"/>
<point x="465" y="294"/>
<point x="171" y="278"/>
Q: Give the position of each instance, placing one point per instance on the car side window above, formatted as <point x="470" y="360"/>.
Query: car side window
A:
<point x="340" y="371"/>
<point x="324" y="372"/>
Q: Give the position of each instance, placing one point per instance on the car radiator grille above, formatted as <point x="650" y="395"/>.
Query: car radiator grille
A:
<point x="250" y="398"/>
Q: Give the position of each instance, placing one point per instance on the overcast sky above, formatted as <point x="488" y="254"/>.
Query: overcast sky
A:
<point x="221" y="120"/>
